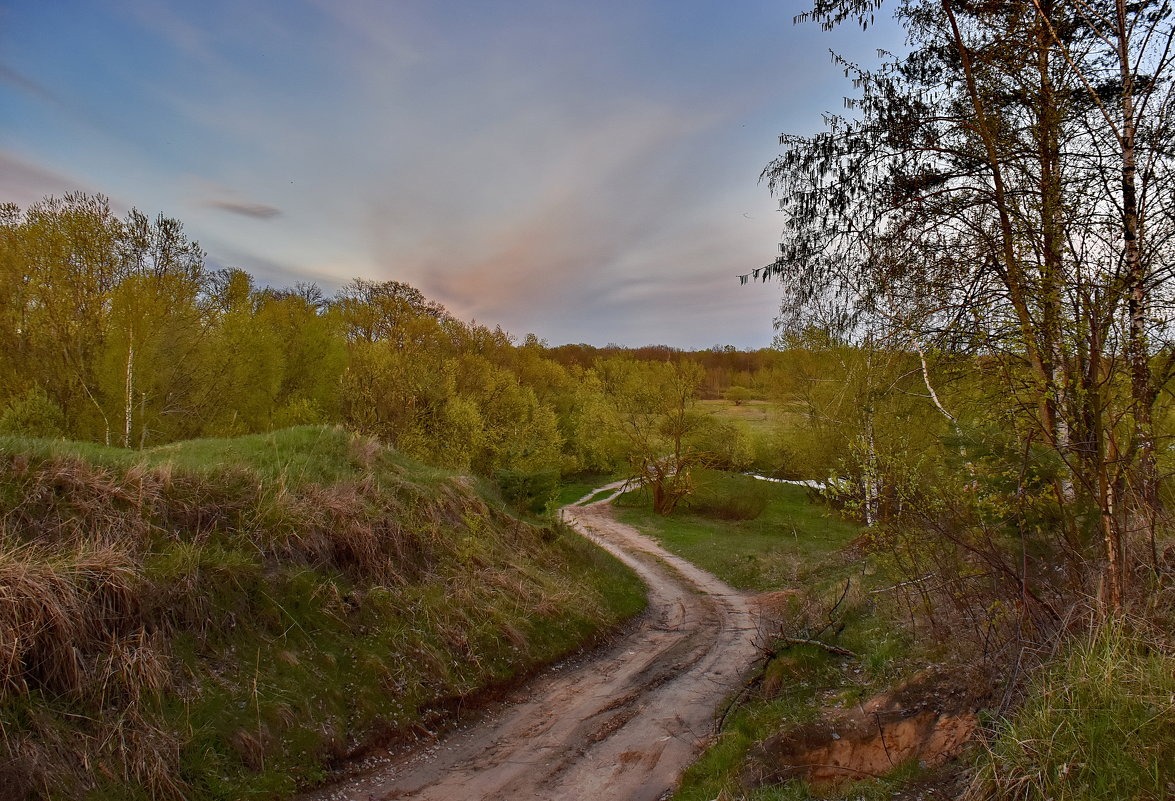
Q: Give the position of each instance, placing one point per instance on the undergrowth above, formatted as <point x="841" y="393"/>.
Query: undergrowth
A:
<point x="1097" y="725"/>
<point x="820" y="587"/>
<point x="224" y="619"/>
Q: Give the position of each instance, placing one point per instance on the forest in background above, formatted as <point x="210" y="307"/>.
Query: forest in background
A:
<point x="115" y="331"/>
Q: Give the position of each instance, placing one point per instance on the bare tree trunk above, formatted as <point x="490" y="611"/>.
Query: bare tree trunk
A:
<point x="129" y="397"/>
<point x="1138" y="352"/>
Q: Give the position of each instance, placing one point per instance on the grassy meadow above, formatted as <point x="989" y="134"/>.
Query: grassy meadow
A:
<point x="784" y="545"/>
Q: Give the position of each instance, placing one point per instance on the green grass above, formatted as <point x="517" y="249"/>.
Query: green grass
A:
<point x="575" y="487"/>
<point x="808" y="672"/>
<point x="1098" y="725"/>
<point x="761" y="417"/>
<point x="294" y="456"/>
<point x="779" y="548"/>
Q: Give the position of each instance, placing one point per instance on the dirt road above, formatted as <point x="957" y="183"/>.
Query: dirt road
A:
<point x="621" y="725"/>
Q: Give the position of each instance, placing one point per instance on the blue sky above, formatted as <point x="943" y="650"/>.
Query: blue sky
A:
<point x="584" y="171"/>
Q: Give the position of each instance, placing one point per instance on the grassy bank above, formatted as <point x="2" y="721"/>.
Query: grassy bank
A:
<point x="222" y="619"/>
<point x="1098" y="724"/>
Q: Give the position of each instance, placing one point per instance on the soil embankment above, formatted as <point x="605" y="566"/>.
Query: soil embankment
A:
<point x="622" y="724"/>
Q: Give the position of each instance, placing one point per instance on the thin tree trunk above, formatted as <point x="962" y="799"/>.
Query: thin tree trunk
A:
<point x="1051" y="226"/>
<point x="1144" y="479"/>
<point x="1011" y="274"/>
<point x="129" y="397"/>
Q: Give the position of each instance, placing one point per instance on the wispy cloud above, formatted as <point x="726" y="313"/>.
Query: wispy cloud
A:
<point x="585" y="171"/>
<point x="25" y="182"/>
<point x="27" y="85"/>
<point x="258" y="211"/>
<point x="214" y="195"/>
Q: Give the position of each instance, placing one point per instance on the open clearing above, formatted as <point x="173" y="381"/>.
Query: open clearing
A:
<point x="622" y="723"/>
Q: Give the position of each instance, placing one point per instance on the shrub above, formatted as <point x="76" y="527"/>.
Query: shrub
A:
<point x="34" y="415"/>
<point x="739" y="395"/>
<point x="728" y="445"/>
<point x="528" y="491"/>
<point x="298" y="412"/>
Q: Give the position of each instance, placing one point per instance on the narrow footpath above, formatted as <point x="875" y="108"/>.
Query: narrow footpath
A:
<point x="619" y="725"/>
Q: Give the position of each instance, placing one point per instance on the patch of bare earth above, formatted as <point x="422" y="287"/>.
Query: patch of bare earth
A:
<point x="929" y="719"/>
<point x="621" y="724"/>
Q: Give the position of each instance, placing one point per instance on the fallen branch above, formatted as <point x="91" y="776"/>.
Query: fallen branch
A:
<point x="903" y="584"/>
<point x="832" y="649"/>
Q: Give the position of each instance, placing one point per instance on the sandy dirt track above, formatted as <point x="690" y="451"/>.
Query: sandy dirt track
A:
<point x="621" y="724"/>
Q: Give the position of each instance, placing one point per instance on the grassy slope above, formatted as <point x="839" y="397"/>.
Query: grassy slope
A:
<point x="222" y="618"/>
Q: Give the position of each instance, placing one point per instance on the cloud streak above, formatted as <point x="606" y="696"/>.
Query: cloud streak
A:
<point x="25" y="182"/>
<point x="257" y="211"/>
<point x="25" y="84"/>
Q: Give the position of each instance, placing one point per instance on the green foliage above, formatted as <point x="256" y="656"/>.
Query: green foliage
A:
<point x="739" y="395"/>
<point x="651" y="408"/>
<point x="33" y="415"/>
<point x="1098" y="724"/>
<point x="727" y="444"/>
<point x="526" y="491"/>
<point x="298" y="412"/>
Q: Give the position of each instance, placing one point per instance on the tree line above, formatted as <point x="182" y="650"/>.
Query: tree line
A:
<point x="115" y="330"/>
